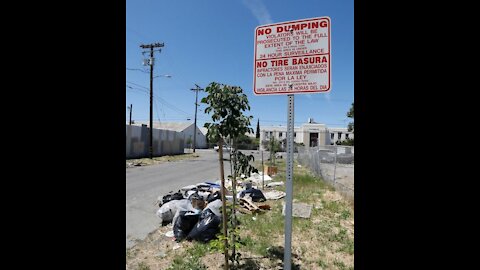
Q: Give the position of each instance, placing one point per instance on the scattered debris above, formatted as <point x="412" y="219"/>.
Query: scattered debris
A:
<point x="274" y="194"/>
<point x="302" y="210"/>
<point x="244" y="210"/>
<point x="257" y="178"/>
<point x="275" y="184"/>
<point x="264" y="207"/>
<point x="176" y="246"/>
<point x="255" y="194"/>
<point x="299" y="166"/>
<point x="193" y="212"/>
<point x="172" y="196"/>
<point x="254" y="218"/>
<point x="249" y="205"/>
<point x="187" y="188"/>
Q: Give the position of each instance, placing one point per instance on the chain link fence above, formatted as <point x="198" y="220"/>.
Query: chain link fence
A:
<point x="334" y="163"/>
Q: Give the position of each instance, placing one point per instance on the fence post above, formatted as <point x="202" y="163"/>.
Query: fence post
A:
<point x="335" y="166"/>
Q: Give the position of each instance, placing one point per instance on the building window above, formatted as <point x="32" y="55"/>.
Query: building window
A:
<point x="295" y="134"/>
<point x="271" y="133"/>
<point x="332" y="135"/>
<point x="339" y="135"/>
<point x="266" y="134"/>
<point x="346" y="136"/>
<point x="280" y="134"/>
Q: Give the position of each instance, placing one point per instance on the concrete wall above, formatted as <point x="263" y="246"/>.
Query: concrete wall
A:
<point x="165" y="142"/>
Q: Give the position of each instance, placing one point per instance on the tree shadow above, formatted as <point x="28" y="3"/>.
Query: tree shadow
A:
<point x="249" y="264"/>
<point x="277" y="253"/>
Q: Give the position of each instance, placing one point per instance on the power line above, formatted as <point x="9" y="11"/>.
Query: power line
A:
<point x="139" y="85"/>
<point x="156" y="111"/>
<point x="137" y="69"/>
<point x="162" y="101"/>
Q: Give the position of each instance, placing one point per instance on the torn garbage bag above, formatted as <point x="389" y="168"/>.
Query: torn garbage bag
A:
<point x="184" y="223"/>
<point x="206" y="228"/>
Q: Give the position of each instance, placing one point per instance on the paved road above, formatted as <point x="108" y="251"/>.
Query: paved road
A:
<point x="145" y="184"/>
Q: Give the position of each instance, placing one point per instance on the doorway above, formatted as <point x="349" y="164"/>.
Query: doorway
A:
<point x="313" y="139"/>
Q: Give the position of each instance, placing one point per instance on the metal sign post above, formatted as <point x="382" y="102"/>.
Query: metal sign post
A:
<point x="290" y="58"/>
<point x="287" y="257"/>
<point x="263" y="173"/>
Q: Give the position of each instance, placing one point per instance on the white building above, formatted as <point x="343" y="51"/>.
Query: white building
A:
<point x="339" y="134"/>
<point x="311" y="134"/>
<point x="186" y="128"/>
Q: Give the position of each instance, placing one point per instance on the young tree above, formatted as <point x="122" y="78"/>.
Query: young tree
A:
<point x="273" y="147"/>
<point x="227" y="104"/>
<point x="350" y="115"/>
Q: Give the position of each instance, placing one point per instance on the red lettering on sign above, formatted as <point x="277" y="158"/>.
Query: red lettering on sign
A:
<point x="309" y="60"/>
<point x="264" y="31"/>
<point x="261" y="64"/>
<point x="276" y="63"/>
<point x="301" y="26"/>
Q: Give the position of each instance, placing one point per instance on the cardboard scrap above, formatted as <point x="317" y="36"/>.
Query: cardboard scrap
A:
<point x="302" y="210"/>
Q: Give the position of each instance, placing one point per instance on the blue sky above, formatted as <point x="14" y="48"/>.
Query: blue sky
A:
<point x="213" y="40"/>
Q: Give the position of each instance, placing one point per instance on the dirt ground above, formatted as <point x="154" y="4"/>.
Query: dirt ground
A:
<point x="324" y="241"/>
<point x="311" y="247"/>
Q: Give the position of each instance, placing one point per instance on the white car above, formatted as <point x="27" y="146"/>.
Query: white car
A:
<point x="225" y="148"/>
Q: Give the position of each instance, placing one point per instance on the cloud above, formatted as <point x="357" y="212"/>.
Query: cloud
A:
<point x="258" y="10"/>
<point x="327" y="96"/>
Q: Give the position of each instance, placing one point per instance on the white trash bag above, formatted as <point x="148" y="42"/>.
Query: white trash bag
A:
<point x="169" y="209"/>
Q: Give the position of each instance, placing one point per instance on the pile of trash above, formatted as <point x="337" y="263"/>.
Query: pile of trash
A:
<point x="194" y="210"/>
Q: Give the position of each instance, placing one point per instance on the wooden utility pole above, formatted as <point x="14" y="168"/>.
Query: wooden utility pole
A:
<point x="131" y="106"/>
<point x="195" y="125"/>
<point x="151" y="60"/>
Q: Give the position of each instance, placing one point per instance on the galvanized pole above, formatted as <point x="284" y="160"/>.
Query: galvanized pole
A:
<point x="263" y="173"/>
<point x="287" y="258"/>
<point x="335" y="166"/>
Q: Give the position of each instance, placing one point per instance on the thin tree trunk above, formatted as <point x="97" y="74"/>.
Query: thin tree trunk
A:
<point x="234" y="189"/>
<point x="224" y="204"/>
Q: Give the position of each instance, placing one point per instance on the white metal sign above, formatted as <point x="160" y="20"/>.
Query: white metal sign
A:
<point x="292" y="57"/>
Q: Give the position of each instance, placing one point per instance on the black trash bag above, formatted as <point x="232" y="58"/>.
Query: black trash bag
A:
<point x="184" y="224"/>
<point x="170" y="197"/>
<point x="214" y="196"/>
<point x="207" y="228"/>
<point x="255" y="194"/>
